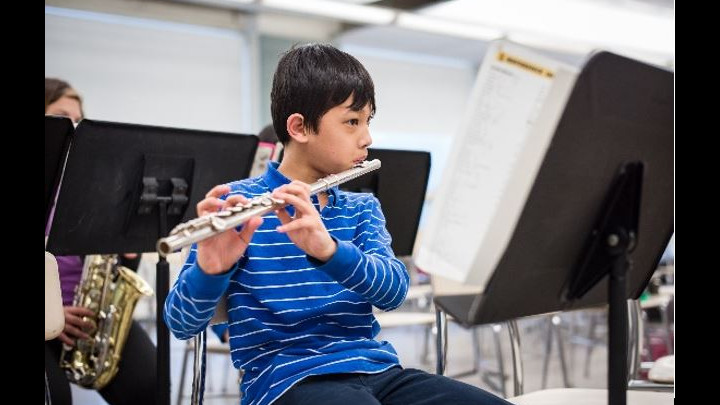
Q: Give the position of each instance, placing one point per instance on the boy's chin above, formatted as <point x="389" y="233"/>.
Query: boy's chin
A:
<point x="340" y="167"/>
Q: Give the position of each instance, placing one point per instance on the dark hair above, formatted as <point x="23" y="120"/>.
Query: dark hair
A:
<point x="56" y="88"/>
<point x="311" y="79"/>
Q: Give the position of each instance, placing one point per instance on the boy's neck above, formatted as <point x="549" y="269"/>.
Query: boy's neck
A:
<point x="296" y="169"/>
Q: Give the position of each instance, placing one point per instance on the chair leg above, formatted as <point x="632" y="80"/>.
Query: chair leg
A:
<point x="548" y="351"/>
<point x="477" y="355"/>
<point x="181" y="386"/>
<point x="561" y="350"/>
<point x="516" y="353"/>
<point x="441" y="340"/>
<point x="591" y="343"/>
<point x="489" y="377"/>
<point x="666" y="323"/>
<point x="426" y="345"/>
<point x="198" y="385"/>
<point x="48" y="401"/>
<point x="501" y="366"/>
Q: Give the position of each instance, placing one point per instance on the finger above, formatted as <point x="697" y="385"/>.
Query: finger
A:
<point x="235" y="200"/>
<point x="283" y="216"/>
<point x="303" y="206"/>
<point x="294" y="225"/>
<point x="76" y="321"/>
<point x="66" y="339"/>
<point x="302" y="185"/>
<point x="249" y="229"/>
<point x="209" y="205"/>
<point x="73" y="331"/>
<point x="71" y="319"/>
<point x="299" y="189"/>
<point x="218" y="191"/>
<point x="80" y="311"/>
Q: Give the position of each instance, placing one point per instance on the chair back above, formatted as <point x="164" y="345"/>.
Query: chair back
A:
<point x="54" y="315"/>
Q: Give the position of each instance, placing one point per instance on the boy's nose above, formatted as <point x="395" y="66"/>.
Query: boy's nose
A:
<point x="366" y="139"/>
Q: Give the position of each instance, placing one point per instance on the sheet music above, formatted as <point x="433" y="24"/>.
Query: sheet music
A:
<point x="513" y="109"/>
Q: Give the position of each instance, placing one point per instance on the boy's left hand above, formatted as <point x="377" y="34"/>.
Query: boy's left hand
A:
<point x="305" y="229"/>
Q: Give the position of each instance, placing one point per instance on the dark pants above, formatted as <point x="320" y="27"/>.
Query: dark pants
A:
<point x="395" y="386"/>
<point x="134" y="384"/>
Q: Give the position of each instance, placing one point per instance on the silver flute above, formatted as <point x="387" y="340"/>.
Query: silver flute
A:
<point x="201" y="228"/>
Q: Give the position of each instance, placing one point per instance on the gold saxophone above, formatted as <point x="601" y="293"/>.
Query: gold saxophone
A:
<point x="111" y="292"/>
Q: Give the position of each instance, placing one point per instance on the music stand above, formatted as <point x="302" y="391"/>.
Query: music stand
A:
<point x="125" y="185"/>
<point x="58" y="134"/>
<point x="584" y="217"/>
<point x="400" y="185"/>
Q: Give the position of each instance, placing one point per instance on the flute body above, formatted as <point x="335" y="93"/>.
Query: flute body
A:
<point x="201" y="228"/>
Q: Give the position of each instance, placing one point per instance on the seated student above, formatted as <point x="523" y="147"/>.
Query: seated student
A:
<point x="301" y="283"/>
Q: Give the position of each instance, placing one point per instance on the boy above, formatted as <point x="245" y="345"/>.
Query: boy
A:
<point x="301" y="283"/>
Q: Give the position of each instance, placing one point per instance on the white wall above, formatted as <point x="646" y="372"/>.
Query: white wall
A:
<point x="139" y="70"/>
<point x="420" y="101"/>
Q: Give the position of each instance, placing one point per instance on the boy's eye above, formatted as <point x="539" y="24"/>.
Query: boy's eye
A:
<point x="353" y="121"/>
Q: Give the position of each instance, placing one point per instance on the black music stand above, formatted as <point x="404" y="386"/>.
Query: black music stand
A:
<point x="400" y="185"/>
<point x="58" y="134"/>
<point x="126" y="185"/>
<point x="584" y="217"/>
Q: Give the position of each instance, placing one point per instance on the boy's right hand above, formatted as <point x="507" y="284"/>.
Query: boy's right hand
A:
<point x="219" y="253"/>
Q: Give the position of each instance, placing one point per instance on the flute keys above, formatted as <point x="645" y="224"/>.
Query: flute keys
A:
<point x="266" y="201"/>
<point x="218" y="223"/>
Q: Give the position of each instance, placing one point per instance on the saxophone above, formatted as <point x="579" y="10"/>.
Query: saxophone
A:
<point x="111" y="291"/>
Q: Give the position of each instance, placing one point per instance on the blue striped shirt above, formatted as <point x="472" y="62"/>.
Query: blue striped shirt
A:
<point x="291" y="316"/>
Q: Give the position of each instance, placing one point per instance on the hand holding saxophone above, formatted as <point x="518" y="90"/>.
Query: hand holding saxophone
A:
<point x="220" y="252"/>
<point x="75" y="326"/>
<point x="306" y="229"/>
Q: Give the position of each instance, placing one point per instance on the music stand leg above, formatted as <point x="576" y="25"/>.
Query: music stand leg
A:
<point x="162" y="333"/>
<point x="618" y="332"/>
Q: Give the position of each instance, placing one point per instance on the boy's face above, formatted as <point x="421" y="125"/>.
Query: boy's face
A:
<point x="342" y="139"/>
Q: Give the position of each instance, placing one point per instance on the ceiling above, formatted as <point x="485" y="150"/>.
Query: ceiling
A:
<point x="568" y="29"/>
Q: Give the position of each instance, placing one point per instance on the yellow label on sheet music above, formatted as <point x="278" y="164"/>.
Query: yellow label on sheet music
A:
<point x="525" y="65"/>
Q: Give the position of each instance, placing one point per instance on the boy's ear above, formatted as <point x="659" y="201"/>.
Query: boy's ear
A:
<point x="296" y="128"/>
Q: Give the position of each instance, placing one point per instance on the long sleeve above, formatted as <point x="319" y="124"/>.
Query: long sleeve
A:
<point x="367" y="265"/>
<point x="192" y="300"/>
